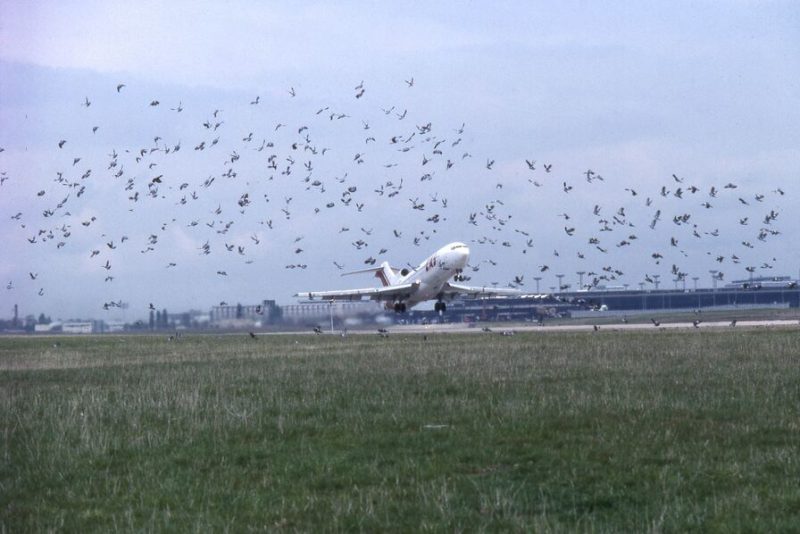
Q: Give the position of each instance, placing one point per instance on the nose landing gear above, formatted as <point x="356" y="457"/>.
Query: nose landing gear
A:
<point x="440" y="307"/>
<point x="400" y="307"/>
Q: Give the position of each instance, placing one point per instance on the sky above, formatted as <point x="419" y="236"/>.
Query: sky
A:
<point x="628" y="141"/>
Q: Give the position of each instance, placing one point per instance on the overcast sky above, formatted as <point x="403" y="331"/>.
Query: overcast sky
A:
<point x="336" y="122"/>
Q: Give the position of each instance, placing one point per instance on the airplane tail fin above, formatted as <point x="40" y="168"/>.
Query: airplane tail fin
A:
<point x="386" y="274"/>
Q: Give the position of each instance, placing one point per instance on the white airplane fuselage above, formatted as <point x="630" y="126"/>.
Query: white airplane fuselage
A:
<point x="435" y="271"/>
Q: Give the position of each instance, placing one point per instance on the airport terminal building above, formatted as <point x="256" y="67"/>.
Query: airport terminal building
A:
<point x="774" y="292"/>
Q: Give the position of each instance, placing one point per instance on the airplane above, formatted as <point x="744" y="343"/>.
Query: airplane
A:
<point x="404" y="288"/>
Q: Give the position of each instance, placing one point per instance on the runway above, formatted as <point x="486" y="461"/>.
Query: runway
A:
<point x="480" y="328"/>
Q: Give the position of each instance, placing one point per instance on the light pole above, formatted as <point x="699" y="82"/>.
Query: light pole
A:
<point x="714" y="286"/>
<point x="695" y="278"/>
<point x="560" y="277"/>
<point x="330" y="307"/>
<point x="644" y="297"/>
<point x="537" y="278"/>
<point x="580" y="278"/>
<point x="655" y="278"/>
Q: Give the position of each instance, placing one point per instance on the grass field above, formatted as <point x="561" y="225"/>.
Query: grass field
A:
<point x="636" y="431"/>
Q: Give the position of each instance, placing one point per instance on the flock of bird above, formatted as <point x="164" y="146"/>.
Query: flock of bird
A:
<point x="243" y="186"/>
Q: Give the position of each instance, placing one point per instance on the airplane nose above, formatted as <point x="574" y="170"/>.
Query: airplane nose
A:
<point x="463" y="256"/>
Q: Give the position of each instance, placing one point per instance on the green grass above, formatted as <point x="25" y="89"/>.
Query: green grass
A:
<point x="634" y="431"/>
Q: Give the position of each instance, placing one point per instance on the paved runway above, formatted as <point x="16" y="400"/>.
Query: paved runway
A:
<point x="521" y="327"/>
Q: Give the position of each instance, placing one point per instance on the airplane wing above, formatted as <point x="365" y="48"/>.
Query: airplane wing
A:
<point x="476" y="292"/>
<point x="402" y="291"/>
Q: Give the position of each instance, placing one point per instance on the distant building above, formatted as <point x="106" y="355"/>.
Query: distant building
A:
<point x="50" y="327"/>
<point x="763" y="282"/>
<point x="243" y="315"/>
<point x="316" y="310"/>
<point x="79" y="327"/>
<point x="192" y="319"/>
<point x="115" y="326"/>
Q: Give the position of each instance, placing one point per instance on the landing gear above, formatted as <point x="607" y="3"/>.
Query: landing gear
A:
<point x="400" y="307"/>
<point x="440" y="307"/>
